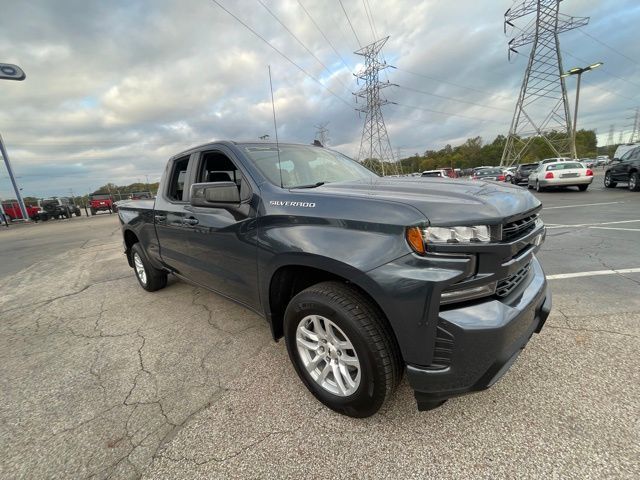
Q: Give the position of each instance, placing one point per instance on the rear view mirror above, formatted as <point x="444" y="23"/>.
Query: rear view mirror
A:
<point x="214" y="194"/>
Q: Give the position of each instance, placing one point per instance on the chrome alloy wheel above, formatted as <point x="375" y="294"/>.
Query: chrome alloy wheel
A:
<point x="328" y="355"/>
<point x="139" y="266"/>
<point x="632" y="182"/>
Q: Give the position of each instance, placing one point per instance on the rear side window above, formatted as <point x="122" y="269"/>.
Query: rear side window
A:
<point x="631" y="154"/>
<point x="178" y="177"/>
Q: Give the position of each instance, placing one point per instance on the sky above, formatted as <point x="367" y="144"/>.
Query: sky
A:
<point x="115" y="88"/>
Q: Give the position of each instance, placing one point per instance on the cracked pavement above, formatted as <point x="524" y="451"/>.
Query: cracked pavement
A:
<point x="100" y="379"/>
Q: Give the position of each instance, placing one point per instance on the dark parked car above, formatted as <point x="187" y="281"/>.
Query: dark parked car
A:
<point x="521" y="175"/>
<point x="626" y="170"/>
<point x="489" y="174"/>
<point x="364" y="277"/>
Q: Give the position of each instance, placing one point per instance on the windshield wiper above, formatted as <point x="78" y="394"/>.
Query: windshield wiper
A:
<point x="312" y="185"/>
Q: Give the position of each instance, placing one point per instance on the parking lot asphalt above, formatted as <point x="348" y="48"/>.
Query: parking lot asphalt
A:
<point x="101" y="379"/>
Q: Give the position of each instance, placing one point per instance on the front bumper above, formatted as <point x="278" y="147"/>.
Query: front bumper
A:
<point x="480" y="341"/>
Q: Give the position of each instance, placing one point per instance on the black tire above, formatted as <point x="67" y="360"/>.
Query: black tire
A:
<point x="365" y="326"/>
<point x="78" y="213"/>
<point x="538" y="187"/>
<point x="93" y="212"/>
<point x="634" y="182"/>
<point x="583" y="188"/>
<point x="608" y="182"/>
<point x="155" y="279"/>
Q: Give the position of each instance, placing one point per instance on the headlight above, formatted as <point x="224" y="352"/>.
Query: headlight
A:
<point x="472" y="234"/>
<point x="420" y="237"/>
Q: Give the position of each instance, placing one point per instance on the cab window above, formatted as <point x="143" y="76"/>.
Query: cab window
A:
<point x="217" y="167"/>
<point x="176" y="182"/>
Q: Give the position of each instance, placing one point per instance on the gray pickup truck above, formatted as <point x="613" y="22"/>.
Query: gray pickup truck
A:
<point x="364" y="277"/>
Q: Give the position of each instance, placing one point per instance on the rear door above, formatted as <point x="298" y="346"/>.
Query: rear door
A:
<point x="620" y="170"/>
<point x="169" y="213"/>
<point x="223" y="239"/>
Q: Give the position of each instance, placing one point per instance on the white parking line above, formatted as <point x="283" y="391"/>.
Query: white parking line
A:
<point x="593" y="273"/>
<point x="590" y="225"/>
<point x="583" y="205"/>
<point x="619" y="229"/>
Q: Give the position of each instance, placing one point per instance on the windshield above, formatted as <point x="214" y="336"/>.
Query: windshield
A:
<point x="564" y="166"/>
<point x="303" y="166"/>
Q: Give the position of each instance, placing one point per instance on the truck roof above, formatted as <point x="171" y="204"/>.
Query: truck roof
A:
<point x="230" y="143"/>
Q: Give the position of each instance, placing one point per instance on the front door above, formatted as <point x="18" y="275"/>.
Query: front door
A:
<point x="223" y="241"/>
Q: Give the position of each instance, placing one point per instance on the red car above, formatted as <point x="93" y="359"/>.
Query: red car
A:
<point x="12" y="210"/>
<point x="101" y="202"/>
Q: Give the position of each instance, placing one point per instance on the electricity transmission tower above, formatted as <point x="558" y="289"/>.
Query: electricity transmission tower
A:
<point x="635" y="128"/>
<point x="322" y="133"/>
<point x="610" y="137"/>
<point x="374" y="145"/>
<point x="542" y="110"/>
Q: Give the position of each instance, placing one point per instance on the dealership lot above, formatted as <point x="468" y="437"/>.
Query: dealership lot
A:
<point x="99" y="378"/>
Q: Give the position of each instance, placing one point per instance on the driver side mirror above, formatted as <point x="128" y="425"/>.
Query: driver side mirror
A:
<point x="215" y="194"/>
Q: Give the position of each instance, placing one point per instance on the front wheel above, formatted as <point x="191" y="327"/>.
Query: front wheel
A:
<point x="149" y="277"/>
<point x="608" y="181"/>
<point x="634" y="182"/>
<point x="342" y="348"/>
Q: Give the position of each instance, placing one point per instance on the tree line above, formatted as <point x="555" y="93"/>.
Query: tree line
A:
<point x="475" y="153"/>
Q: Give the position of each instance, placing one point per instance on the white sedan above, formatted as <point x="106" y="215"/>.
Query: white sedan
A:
<point x="561" y="174"/>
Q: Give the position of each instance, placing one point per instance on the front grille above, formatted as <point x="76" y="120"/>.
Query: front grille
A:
<point x="518" y="228"/>
<point x="443" y="349"/>
<point x="506" y="286"/>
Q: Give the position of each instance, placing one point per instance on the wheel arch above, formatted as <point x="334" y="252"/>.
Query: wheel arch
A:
<point x="130" y="239"/>
<point x="289" y="278"/>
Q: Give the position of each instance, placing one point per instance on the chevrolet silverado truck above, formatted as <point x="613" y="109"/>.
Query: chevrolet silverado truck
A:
<point x="364" y="277"/>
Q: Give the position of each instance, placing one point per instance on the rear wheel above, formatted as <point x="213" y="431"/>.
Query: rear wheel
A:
<point x="583" y="188"/>
<point x="342" y="348"/>
<point x="608" y="181"/>
<point x="634" y="182"/>
<point x="93" y="211"/>
<point x="149" y="277"/>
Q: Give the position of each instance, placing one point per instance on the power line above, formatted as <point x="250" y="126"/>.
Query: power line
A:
<point x="350" y="24"/>
<point x="373" y="21"/>
<point x="453" y="99"/>
<point x="300" y="42"/>
<point x="282" y="54"/>
<point x="370" y="19"/>
<point x="324" y="36"/>
<point x="608" y="46"/>
<point x="449" y="114"/>
<point x="486" y="92"/>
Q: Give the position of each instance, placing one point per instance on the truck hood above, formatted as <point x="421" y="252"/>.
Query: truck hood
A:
<point x="443" y="201"/>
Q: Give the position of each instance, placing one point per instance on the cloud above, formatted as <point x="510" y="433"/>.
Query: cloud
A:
<point x="115" y="88"/>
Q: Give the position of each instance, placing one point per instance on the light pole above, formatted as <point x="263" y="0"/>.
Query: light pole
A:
<point x="12" y="72"/>
<point x="579" y="72"/>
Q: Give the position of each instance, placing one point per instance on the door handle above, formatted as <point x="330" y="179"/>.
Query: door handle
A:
<point x="190" y="221"/>
<point x="160" y="218"/>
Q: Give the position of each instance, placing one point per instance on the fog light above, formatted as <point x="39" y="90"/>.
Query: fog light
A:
<point x="464" y="294"/>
